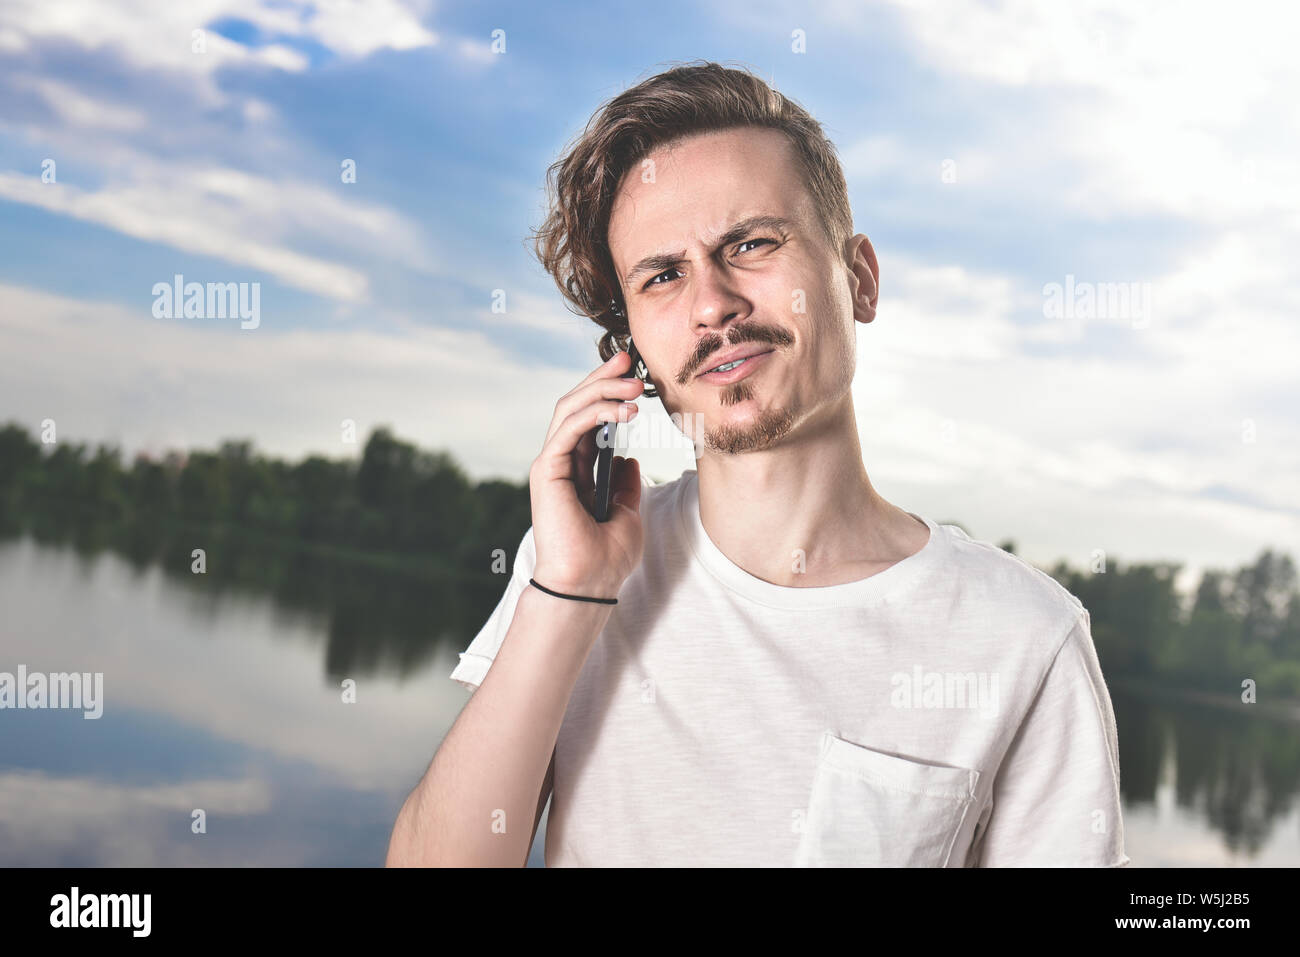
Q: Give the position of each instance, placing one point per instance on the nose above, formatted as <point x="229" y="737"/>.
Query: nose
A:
<point x="717" y="303"/>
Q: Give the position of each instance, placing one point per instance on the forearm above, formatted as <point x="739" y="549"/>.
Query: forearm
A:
<point x="476" y="803"/>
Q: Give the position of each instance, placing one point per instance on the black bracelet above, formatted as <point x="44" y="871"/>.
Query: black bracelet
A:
<point x="558" y="594"/>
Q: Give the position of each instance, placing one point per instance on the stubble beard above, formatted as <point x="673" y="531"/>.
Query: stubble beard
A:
<point x="766" y="430"/>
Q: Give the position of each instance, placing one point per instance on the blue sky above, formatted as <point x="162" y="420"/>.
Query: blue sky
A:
<point x="991" y="150"/>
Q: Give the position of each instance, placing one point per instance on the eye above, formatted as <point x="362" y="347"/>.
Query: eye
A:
<point x="654" y="280"/>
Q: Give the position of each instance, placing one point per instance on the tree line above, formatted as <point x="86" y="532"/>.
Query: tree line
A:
<point x="395" y="500"/>
<point x="420" y="511"/>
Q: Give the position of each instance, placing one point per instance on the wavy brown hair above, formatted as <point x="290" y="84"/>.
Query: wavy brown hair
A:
<point x="698" y="97"/>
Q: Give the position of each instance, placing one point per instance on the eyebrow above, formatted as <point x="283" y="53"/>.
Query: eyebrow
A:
<point x="659" y="262"/>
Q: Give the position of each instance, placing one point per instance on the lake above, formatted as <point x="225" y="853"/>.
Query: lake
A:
<point x="225" y="692"/>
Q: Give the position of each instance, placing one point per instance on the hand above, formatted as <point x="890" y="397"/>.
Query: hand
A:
<point x="575" y="553"/>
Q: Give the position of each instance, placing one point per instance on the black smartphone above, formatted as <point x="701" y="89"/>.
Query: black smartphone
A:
<point x="604" y="434"/>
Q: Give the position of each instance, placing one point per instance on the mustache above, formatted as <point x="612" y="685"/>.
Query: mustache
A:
<point x="749" y="332"/>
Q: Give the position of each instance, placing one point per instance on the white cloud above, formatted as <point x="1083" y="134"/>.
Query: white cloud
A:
<point x="158" y="33"/>
<point x="102" y="370"/>
<point x="189" y="219"/>
<point x="83" y="111"/>
<point x="1189" y="111"/>
<point x="946" y="312"/>
<point x="241" y="218"/>
<point x="312" y="237"/>
<point x="476" y="50"/>
<point x="354" y="27"/>
<point x="952" y="407"/>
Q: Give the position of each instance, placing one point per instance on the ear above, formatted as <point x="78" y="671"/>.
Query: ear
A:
<point x="864" y="277"/>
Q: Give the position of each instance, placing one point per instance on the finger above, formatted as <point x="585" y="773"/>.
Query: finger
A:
<point x="584" y="460"/>
<point x="584" y="455"/>
<point x="556" y="458"/>
<point x="584" y="395"/>
<point x="626" y="483"/>
<point x="613" y="367"/>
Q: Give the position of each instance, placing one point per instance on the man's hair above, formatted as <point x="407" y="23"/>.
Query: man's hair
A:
<point x="700" y="97"/>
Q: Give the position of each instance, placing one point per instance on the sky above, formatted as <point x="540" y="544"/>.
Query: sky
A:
<point x="1013" y="163"/>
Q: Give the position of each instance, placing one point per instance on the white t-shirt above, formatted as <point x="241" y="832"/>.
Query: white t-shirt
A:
<point x="948" y="711"/>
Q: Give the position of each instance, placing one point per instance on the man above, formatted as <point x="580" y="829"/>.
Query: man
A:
<point x="796" y="672"/>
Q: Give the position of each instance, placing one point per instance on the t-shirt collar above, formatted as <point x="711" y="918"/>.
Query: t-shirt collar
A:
<point x="886" y="586"/>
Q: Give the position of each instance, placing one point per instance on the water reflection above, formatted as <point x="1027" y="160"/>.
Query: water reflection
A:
<point x="220" y="698"/>
<point x="377" y="618"/>
<point x="222" y="692"/>
<point x="1207" y="785"/>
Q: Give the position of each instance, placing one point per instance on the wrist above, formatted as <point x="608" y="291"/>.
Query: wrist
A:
<point x="571" y="617"/>
<point x="568" y="596"/>
<point x="601" y="588"/>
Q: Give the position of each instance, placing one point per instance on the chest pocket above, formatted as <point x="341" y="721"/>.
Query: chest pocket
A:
<point x="871" y="809"/>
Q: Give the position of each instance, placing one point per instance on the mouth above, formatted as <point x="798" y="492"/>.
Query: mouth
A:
<point x="734" y="368"/>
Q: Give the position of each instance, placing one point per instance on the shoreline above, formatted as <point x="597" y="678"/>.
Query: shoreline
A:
<point x="1286" y="710"/>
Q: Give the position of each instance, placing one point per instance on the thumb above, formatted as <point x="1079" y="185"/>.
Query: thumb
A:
<point x="625" y="483"/>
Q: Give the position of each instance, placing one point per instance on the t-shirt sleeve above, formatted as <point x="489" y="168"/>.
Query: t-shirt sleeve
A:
<point x="475" y="660"/>
<point x="1056" y="797"/>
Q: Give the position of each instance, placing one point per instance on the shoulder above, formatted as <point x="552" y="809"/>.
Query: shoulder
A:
<point x="1006" y="586"/>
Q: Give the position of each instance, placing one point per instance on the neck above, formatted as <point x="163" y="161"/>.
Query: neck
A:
<point x="804" y="513"/>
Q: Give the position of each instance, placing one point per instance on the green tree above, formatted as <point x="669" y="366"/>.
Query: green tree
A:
<point x="19" y="453"/>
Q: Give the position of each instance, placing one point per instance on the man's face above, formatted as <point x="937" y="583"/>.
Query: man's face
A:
<point x="773" y="289"/>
